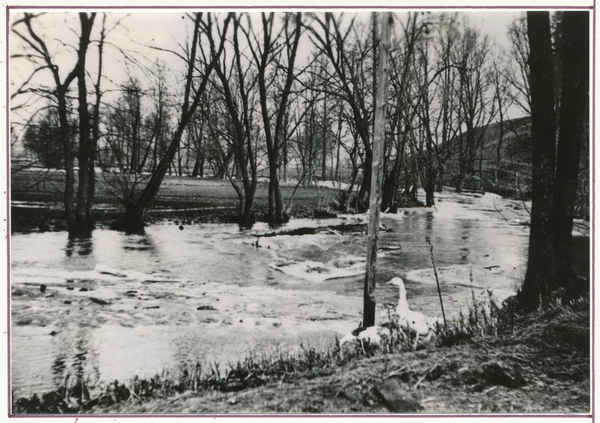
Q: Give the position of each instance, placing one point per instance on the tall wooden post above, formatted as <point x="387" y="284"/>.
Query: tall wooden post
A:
<point x="387" y="21"/>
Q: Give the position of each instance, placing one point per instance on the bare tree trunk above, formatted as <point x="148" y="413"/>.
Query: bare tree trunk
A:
<point x="338" y="143"/>
<point x="241" y="131"/>
<point x="68" y="153"/>
<point x="377" y="169"/>
<point x="199" y="159"/>
<point x="430" y="188"/>
<point x="573" y="122"/>
<point x="331" y="43"/>
<point x="324" y="142"/>
<point x="40" y="47"/>
<point x="501" y="122"/>
<point x="179" y="163"/>
<point x="541" y="242"/>
<point x="96" y="122"/>
<point x="84" y="220"/>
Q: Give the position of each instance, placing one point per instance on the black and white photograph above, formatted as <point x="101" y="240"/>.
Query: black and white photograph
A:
<point x="299" y="211"/>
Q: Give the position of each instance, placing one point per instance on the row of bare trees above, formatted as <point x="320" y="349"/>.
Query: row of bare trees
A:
<point x="280" y="95"/>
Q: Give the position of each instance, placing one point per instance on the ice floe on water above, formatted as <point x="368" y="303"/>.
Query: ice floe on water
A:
<point x="262" y="228"/>
<point x="316" y="271"/>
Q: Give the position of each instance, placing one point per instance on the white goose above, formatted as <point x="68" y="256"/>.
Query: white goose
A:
<point x="412" y="321"/>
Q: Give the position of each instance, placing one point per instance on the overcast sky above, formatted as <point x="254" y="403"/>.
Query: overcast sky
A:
<point x="165" y="29"/>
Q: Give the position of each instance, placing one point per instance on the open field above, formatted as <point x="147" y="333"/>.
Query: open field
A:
<point x="203" y="199"/>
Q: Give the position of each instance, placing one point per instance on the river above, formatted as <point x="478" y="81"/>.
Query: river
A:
<point x="117" y="305"/>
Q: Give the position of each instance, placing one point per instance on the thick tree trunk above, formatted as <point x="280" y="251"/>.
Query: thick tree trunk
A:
<point x="429" y="186"/>
<point x="197" y="166"/>
<point x="84" y="221"/>
<point x="68" y="155"/>
<point x="276" y="215"/>
<point x="247" y="217"/>
<point x="541" y="241"/>
<point x="573" y="122"/>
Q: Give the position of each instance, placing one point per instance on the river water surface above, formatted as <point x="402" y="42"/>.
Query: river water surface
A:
<point x="118" y="305"/>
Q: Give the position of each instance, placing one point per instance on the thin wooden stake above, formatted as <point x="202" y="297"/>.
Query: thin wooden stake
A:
<point x="387" y="22"/>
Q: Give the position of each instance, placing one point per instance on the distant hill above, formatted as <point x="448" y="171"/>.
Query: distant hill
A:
<point x="502" y="159"/>
<point x="503" y="166"/>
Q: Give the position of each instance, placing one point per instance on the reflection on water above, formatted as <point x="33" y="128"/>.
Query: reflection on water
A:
<point x="141" y="243"/>
<point x="81" y="246"/>
<point x="205" y="293"/>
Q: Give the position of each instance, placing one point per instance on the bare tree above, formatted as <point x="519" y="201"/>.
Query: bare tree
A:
<point x="349" y="52"/>
<point x="77" y="219"/>
<point x="137" y="210"/>
<point x="84" y="219"/>
<point x="274" y="118"/>
<point x="237" y="83"/>
<point x="519" y="73"/>
<point x="403" y="107"/>
<point x="96" y="119"/>
<point x="436" y="106"/>
<point x="474" y="98"/>
<point x="501" y="85"/>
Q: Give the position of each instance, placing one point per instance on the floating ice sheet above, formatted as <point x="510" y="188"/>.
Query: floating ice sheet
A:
<point x="316" y="271"/>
